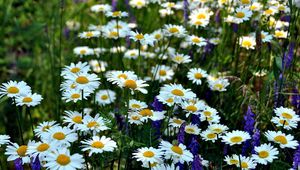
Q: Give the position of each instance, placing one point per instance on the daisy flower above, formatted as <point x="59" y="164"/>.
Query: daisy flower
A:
<point x="116" y="14"/>
<point x="270" y="11"/>
<point x="192" y="129"/>
<point x="280" y="34"/>
<point x="14" y="151"/>
<point x="105" y="97"/>
<point x="40" y="149"/>
<point x="247" y="42"/>
<point x="232" y="160"/>
<point x="162" y="73"/>
<point x="149" y="155"/>
<point x="284" y="141"/>
<point x="195" y="40"/>
<point x="178" y="153"/>
<point x="43" y="127"/>
<point x="60" y="136"/>
<point x="235" y="137"/>
<point x="85" y="81"/>
<point x="131" y="54"/>
<point x="266" y="37"/>
<point x="76" y="68"/>
<point x="255" y="6"/>
<point x="135" y="118"/>
<point x="4" y="139"/>
<point x="144" y="39"/>
<point x="196" y="74"/>
<point x="177" y="92"/>
<point x="209" y="135"/>
<point x="136" y="105"/>
<point x="165" y="167"/>
<point x="138" y="3"/>
<point x="29" y="99"/>
<point x="192" y="106"/>
<point x="73" y="119"/>
<point x="74" y="95"/>
<point x="158" y="35"/>
<point x="217" y="128"/>
<point x="151" y="114"/>
<point x="62" y="159"/>
<point x="246" y="163"/>
<point x="265" y="154"/>
<point x="209" y="114"/>
<point x="166" y="99"/>
<point x="202" y="14"/>
<point x="89" y="34"/>
<point x="245" y="2"/>
<point x="242" y="14"/>
<point x="287" y="114"/>
<point x="181" y="58"/>
<point x="95" y="125"/>
<point x="101" y="8"/>
<point x="175" y="122"/>
<point x="98" y="145"/>
<point x="219" y="84"/>
<point x="174" y="30"/>
<point x="285" y="123"/>
<point x="134" y="85"/>
<point x="198" y="22"/>
<point x="13" y="89"/>
<point x="116" y="76"/>
<point x="83" y="51"/>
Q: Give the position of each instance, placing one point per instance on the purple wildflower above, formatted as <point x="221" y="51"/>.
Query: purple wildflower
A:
<point x="296" y="160"/>
<point x="35" y="164"/>
<point x="156" y="125"/>
<point x="18" y="164"/>
<point x="157" y="105"/>
<point x="248" y="127"/>
<point x="196" y="164"/>
<point x="288" y="56"/>
<point x="255" y="139"/>
<point x="180" y="136"/>
<point x="235" y="27"/>
<point x="195" y="120"/>
<point x="194" y="146"/>
<point x="218" y="16"/>
<point x="185" y="10"/>
<point x="296" y="99"/>
<point x="114" y="5"/>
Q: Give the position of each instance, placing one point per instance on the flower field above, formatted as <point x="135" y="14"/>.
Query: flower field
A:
<point x="150" y="84"/>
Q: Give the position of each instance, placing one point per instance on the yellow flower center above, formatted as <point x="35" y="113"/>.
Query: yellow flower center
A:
<point x="82" y="51"/>
<point x="269" y="11"/>
<point x="196" y="40"/>
<point x="27" y="99"/>
<point x="130" y="84"/>
<point x="135" y="117"/>
<point x="82" y="80"/>
<point x="244" y="165"/>
<point x="191" y="108"/>
<point x="136" y="106"/>
<point x="89" y="34"/>
<point x="124" y="76"/>
<point x="63" y="159"/>
<point x="236" y="139"/>
<point x="245" y="2"/>
<point x="234" y="161"/>
<point x="75" y="70"/>
<point x="177" y="92"/>
<point x="173" y="30"/>
<point x="77" y="119"/>
<point x="211" y="136"/>
<point x="190" y="130"/>
<point x="113" y="34"/>
<point x="170" y="100"/>
<point x="281" y="139"/>
<point x="104" y="97"/>
<point x="207" y="113"/>
<point x="178" y="58"/>
<point x="97" y="144"/>
<point x="73" y="86"/>
<point x="116" y="13"/>
<point x="198" y="22"/>
<point x="217" y="130"/>
<point x="287" y="115"/>
<point x="146" y="112"/>
<point x="22" y="150"/>
<point x="201" y="16"/>
<point x="240" y="14"/>
<point x="45" y="128"/>
<point x="263" y="154"/>
<point x="43" y="147"/>
<point x="177" y="121"/>
<point x="13" y="90"/>
<point x="218" y="86"/>
<point x="246" y="43"/>
<point x="139" y="36"/>
<point x="59" y="136"/>
<point x="75" y="96"/>
<point x="283" y="122"/>
<point x="198" y="75"/>
<point x="162" y="72"/>
<point x="177" y="150"/>
<point x="157" y="36"/>
<point x="148" y="154"/>
<point x="92" y="124"/>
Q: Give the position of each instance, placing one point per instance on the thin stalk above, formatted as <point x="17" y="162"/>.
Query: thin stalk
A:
<point x="19" y="121"/>
<point x="31" y="122"/>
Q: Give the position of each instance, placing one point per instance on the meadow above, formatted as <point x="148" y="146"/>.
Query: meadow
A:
<point x="150" y="84"/>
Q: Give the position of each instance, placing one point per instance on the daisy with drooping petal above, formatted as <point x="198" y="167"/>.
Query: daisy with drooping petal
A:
<point x="29" y="100"/>
<point x="43" y="127"/>
<point x="209" y="135"/>
<point x="177" y="92"/>
<point x="60" y="136"/>
<point x="134" y="85"/>
<point x="181" y="58"/>
<point x="178" y="153"/>
<point x="105" y="97"/>
<point x="196" y="75"/>
<point x="73" y="119"/>
<point x="4" y="139"/>
<point x="174" y="30"/>
<point x="98" y="145"/>
<point x="15" y="151"/>
<point x="149" y="155"/>
<point x="285" y="123"/>
<point x="14" y="89"/>
<point x="284" y="141"/>
<point x="247" y="42"/>
<point x="162" y="73"/>
<point x="235" y="137"/>
<point x="62" y="159"/>
<point x="136" y="105"/>
<point x="265" y="154"/>
<point x="192" y="129"/>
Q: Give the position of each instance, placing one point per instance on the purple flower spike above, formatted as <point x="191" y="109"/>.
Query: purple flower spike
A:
<point x="296" y="160"/>
<point x="18" y="164"/>
<point x="248" y="127"/>
<point x="35" y="164"/>
<point x="196" y="164"/>
<point x="114" y="5"/>
<point x="180" y="136"/>
<point x="255" y="140"/>
<point x="288" y="57"/>
<point x="157" y="105"/>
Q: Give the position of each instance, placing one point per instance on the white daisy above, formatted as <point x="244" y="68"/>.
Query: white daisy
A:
<point x="162" y="73"/>
<point x="209" y="135"/>
<point x="15" y="151"/>
<point x="178" y="153"/>
<point x="116" y="14"/>
<point x="4" y="139"/>
<point x="98" y="145"/>
<point x="85" y="81"/>
<point x="219" y="84"/>
<point x="89" y="34"/>
<point x="40" y="149"/>
<point x="265" y="154"/>
<point x="105" y="97"/>
<point x="181" y="58"/>
<point x="175" y="122"/>
<point x="43" y="127"/>
<point x="29" y="99"/>
<point x="174" y="30"/>
<point x="192" y="129"/>
<point x="235" y="137"/>
<point x="14" y="89"/>
<point x="149" y="155"/>
<point x="73" y="119"/>
<point x="101" y="8"/>
<point x="144" y="39"/>
<point x="247" y="42"/>
<point x="94" y="125"/>
<point x="196" y="74"/>
<point x="60" y="136"/>
<point x="284" y="141"/>
<point x="287" y="114"/>
<point x="195" y="40"/>
<point x="177" y="92"/>
<point x="83" y="51"/>
<point x="136" y="104"/>
<point x="76" y="68"/>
